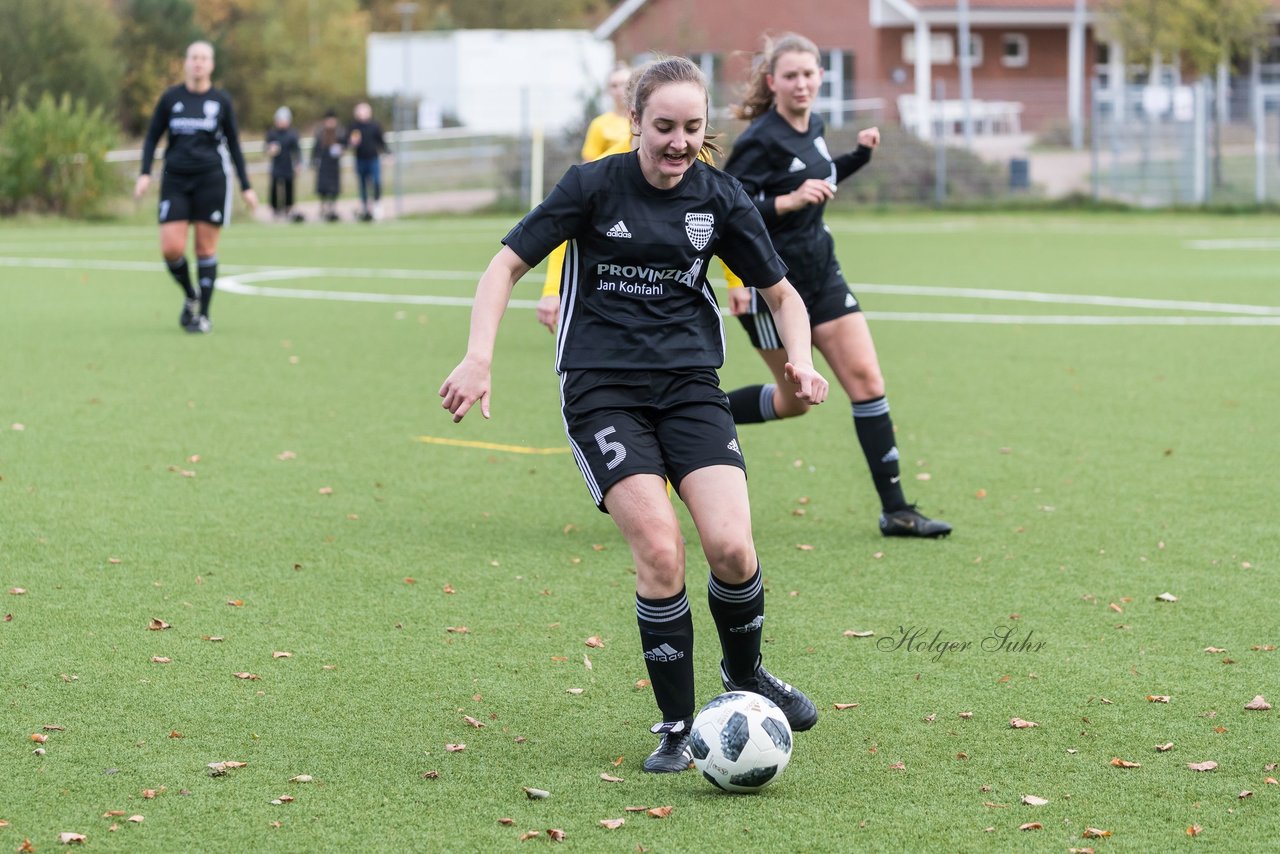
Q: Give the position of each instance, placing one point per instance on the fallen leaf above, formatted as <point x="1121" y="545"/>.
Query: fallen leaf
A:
<point x="804" y="547"/>
<point x="1166" y="597"/>
<point x="283" y="799"/>
<point x="157" y="625"/>
<point x="1019" y="723"/>
<point x="609" y="778"/>
<point x="529" y="834"/>
<point x="617" y="762"/>
<point x="1258" y="704"/>
<point x="326" y="490"/>
<point x="851" y="633"/>
<point x="1194" y="830"/>
<point x="457" y="630"/>
<point x="1114" y="607"/>
<point x="246" y="675"/>
<point x="966" y="715"/>
<point x="1202" y="766"/>
<point x="448" y="588"/>
<point x="556" y="834"/>
<point x="1031" y="825"/>
<point x="1214" y="649"/>
<point x="236" y="603"/>
<point x="455" y="748"/>
<point x="1271" y="781"/>
<point x="535" y="794"/>
<point x="641" y="683"/>
<point x="150" y="794"/>
<point x="612" y="823"/>
<point x="586" y="661"/>
<point x="473" y="722"/>
<point x="507" y="821"/>
<point x="112" y="813"/>
<point x="635" y="809"/>
<point x="594" y="642"/>
<point x="301" y="778"/>
<point x="279" y="654"/>
<point x="574" y="691"/>
<point x="1267" y="648"/>
<point x="1095" y="833"/>
<point x="161" y="659"/>
<point x="660" y="812"/>
<point x="213" y="638"/>
<point x="173" y="733"/>
<point x="898" y="766"/>
<point x="930" y="718"/>
<point x="840" y="707"/>
<point x="286" y="455"/>
<point x="1158" y="698"/>
<point x="1245" y="794"/>
<point x="1034" y="800"/>
<point x="26" y="847"/>
<point x="39" y="737"/>
<point x="1124" y="763"/>
<point x="114" y="560"/>
<point x="69" y="839"/>
<point x="431" y="775"/>
<point x="136" y="819"/>
<point x="980" y="494"/>
<point x="1164" y="748"/>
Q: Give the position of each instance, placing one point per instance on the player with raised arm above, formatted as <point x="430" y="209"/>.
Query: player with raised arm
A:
<point x="638" y="351"/>
<point x="204" y="144"/>
<point x="783" y="162"/>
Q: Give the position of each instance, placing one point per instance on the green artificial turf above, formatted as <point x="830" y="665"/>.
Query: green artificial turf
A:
<point x="270" y="485"/>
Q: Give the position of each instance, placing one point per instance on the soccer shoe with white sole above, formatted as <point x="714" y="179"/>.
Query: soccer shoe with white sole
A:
<point x="910" y="522"/>
<point x="673" y="753"/>
<point x="201" y="325"/>
<point x="798" y="709"/>
<point x="190" y="311"/>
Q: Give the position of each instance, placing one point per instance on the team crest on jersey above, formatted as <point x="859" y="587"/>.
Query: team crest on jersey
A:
<point x="821" y="145"/>
<point x="699" y="227"/>
<point x="211" y="109"/>
<point x="177" y="107"/>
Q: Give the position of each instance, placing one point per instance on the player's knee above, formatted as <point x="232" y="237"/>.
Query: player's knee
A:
<point x="733" y="560"/>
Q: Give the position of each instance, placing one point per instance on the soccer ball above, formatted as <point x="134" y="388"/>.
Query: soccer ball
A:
<point x="741" y="742"/>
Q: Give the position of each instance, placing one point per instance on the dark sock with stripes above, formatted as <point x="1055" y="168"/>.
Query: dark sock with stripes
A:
<point x="208" y="269"/>
<point x="875" y="434"/>
<point x="666" y="636"/>
<point x="752" y="404"/>
<point x="738" y="610"/>
<point x="181" y="272"/>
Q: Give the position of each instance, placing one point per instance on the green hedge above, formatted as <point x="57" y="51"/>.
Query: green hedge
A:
<point x="53" y="157"/>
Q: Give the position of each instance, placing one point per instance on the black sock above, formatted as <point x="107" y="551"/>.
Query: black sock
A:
<point x="874" y="427"/>
<point x="738" y="610"/>
<point x="666" y="636"/>
<point x="752" y="404"/>
<point x="208" y="277"/>
<point x="181" y="272"/>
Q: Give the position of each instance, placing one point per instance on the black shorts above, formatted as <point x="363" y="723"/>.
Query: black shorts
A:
<point x="667" y="423"/>
<point x="833" y="299"/>
<point x="203" y="197"/>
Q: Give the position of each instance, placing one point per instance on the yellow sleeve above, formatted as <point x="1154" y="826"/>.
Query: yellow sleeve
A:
<point x="555" y="268"/>
<point x="729" y="275"/>
<point x="596" y="143"/>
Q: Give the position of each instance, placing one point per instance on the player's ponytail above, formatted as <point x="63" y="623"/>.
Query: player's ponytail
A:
<point x="758" y="99"/>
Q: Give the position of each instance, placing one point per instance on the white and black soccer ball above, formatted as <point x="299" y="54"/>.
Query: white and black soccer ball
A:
<point x="741" y="742"/>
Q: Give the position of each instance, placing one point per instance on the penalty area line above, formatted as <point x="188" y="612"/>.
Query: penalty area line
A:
<point x="489" y="446"/>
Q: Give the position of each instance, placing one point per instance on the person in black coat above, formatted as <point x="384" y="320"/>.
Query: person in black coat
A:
<point x="326" y="159"/>
<point x="285" y="153"/>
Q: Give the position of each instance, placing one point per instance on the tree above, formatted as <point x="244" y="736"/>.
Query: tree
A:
<point x="59" y="47"/>
<point x="485" y="14"/>
<point x="154" y="35"/>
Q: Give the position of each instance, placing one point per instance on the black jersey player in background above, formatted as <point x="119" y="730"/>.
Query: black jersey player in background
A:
<point x="196" y="184"/>
<point x="639" y="345"/>
<point x="783" y="162"/>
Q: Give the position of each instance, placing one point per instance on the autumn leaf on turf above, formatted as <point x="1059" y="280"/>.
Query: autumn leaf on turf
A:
<point x="236" y="603"/>
<point x="1166" y="597"/>
<point x="966" y="715"/>
<point x="455" y="748"/>
<point x="851" y="633"/>
<point x="840" y="707"/>
<point x="1202" y="766"/>
<point x="1194" y="830"/>
<point x="1125" y="763"/>
<point x="1031" y="825"/>
<point x="39" y="737"/>
<point x="1158" y="698"/>
<point x="113" y="813"/>
<point x="326" y="490"/>
<point x="506" y="821"/>
<point x="1214" y="649"/>
<point x="594" y="642"/>
<point x="136" y="819"/>
<point x="609" y="778"/>
<point x="70" y="839"/>
<point x="213" y="638"/>
<point x="473" y="722"/>
<point x="150" y="794"/>
<point x="660" y="812"/>
<point x="574" y="691"/>
<point x="53" y="728"/>
<point x="535" y="794"/>
<point x="173" y="733"/>
<point x="26" y="847"/>
<point x="898" y="766"/>
<point x="529" y="834"/>
<point x="457" y="630"/>
<point x="278" y="654"/>
<point x="1271" y="781"/>
<point x="556" y="834"/>
<point x="286" y="455"/>
<point x="1019" y="723"/>
<point x="641" y="684"/>
<point x="1164" y="748"/>
<point x="1034" y="801"/>
<point x="612" y="823"/>
<point x="804" y="547"/>
<point x="1258" y="704"/>
<point x="1114" y="607"/>
<point x="157" y="625"/>
<point x="1095" y="833"/>
<point x="246" y="675"/>
<point x="161" y="659"/>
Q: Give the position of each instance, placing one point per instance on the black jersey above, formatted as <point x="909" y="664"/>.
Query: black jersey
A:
<point x="635" y="293"/>
<point x="289" y="154"/>
<point x="371" y="142"/>
<point x="771" y="159"/>
<point x="202" y="133"/>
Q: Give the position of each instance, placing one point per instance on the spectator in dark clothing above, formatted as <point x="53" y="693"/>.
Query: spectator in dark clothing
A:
<point x="366" y="139"/>
<point x="285" y="153"/>
<point x="326" y="159"/>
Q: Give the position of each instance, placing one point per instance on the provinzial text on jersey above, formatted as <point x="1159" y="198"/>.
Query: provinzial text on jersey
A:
<point x="644" y="281"/>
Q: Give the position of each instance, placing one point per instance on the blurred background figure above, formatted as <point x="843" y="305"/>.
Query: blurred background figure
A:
<point x="326" y="159"/>
<point x="286" y="154"/>
<point x="369" y="146"/>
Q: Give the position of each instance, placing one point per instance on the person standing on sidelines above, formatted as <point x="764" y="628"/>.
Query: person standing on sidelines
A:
<point x="608" y="133"/>
<point x="365" y="137"/>
<point x="326" y="159"/>
<point x="638" y="353"/>
<point x="204" y="143"/>
<point x="783" y="162"/>
<point x="286" y="153"/>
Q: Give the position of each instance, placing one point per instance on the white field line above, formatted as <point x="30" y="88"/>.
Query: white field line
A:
<point x="242" y="283"/>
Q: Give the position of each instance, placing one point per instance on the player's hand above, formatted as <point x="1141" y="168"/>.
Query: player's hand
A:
<point x="739" y="301"/>
<point x="869" y="137"/>
<point x="250" y="198"/>
<point x="814" y="191"/>
<point x="140" y="186"/>
<point x="549" y="313"/>
<point x="813" y="386"/>
<point x="468" y="383"/>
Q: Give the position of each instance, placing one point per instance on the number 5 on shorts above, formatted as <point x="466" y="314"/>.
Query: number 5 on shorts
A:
<point x="616" y="448"/>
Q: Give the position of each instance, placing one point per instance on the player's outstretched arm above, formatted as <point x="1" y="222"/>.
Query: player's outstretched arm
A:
<point x="792" y="320"/>
<point x="470" y="380"/>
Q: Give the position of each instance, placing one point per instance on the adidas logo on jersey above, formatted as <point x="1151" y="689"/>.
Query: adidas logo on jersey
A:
<point x="849" y="301"/>
<point x="733" y="446"/>
<point x="663" y="652"/>
<point x="797" y="165"/>
<point x="619" y="230"/>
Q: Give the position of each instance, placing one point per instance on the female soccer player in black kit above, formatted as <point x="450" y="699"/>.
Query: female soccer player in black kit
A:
<point x="783" y="163"/>
<point x="196" y="185"/>
<point x="637" y="351"/>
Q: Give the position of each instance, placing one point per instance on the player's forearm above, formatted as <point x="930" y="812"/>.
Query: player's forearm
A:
<point x="792" y="320"/>
<point x="493" y="292"/>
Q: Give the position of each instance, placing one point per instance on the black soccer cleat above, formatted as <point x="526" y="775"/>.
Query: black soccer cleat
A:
<point x="190" y="311"/>
<point x="201" y="325"/>
<point x="673" y="753"/>
<point x="910" y="522"/>
<point x="798" y="709"/>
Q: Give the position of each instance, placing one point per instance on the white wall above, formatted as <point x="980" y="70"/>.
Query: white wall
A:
<point x="497" y="81"/>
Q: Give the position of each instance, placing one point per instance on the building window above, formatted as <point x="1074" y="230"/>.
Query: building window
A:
<point x="709" y="63"/>
<point x="975" y="49"/>
<point x="942" y="49"/>
<point x="1014" y="50"/>
<point x="837" y="85"/>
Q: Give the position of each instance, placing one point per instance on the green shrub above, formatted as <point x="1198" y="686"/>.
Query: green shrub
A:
<point x="53" y="157"/>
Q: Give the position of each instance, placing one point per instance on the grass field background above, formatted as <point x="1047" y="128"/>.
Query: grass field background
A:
<point x="270" y="485"/>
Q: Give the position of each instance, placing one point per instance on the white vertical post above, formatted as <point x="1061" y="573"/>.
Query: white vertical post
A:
<point x="1075" y="76"/>
<point x="1117" y="78"/>
<point x="535" y="167"/>
<point x="406" y="11"/>
<point x="835" y="74"/>
<point x="924" y="82"/>
<point x="1199" y="150"/>
<point x="1259" y="127"/>
<point x="966" y="71"/>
